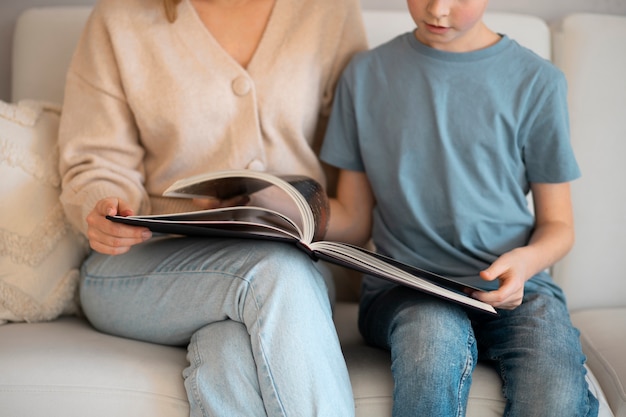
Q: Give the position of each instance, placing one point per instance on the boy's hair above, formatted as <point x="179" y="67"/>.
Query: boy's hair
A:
<point x="170" y="9"/>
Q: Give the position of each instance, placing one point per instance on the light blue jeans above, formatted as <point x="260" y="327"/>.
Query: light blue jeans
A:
<point x="435" y="345"/>
<point x="256" y="319"/>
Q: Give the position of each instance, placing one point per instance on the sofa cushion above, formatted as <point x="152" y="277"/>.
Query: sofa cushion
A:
<point x="39" y="253"/>
<point x="65" y="368"/>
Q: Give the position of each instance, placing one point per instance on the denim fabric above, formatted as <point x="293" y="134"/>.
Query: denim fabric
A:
<point x="256" y="318"/>
<point x="435" y="345"/>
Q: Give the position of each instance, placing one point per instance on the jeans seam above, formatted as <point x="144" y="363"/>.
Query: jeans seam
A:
<point x="266" y="368"/>
<point x="465" y="375"/>
<point x="194" y="380"/>
<point x="507" y="411"/>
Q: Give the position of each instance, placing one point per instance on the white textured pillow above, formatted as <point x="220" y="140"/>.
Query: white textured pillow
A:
<point x="39" y="252"/>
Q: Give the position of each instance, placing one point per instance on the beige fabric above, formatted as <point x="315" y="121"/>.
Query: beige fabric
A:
<point x="123" y="137"/>
<point x="39" y="253"/>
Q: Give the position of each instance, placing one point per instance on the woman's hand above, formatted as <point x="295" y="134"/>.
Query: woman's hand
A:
<point x="212" y="203"/>
<point x="109" y="237"/>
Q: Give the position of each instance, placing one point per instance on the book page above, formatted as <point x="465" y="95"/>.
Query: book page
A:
<point x="372" y="263"/>
<point x="316" y="197"/>
<point x="297" y="197"/>
<point x="227" y="217"/>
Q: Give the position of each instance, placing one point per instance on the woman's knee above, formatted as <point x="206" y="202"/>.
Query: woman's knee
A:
<point x="286" y="267"/>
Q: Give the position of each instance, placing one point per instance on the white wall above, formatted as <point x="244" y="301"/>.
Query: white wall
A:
<point x="550" y="10"/>
<point x="9" y="11"/>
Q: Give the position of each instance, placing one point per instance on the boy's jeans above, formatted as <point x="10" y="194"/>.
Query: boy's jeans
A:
<point x="255" y="316"/>
<point x="435" y="345"/>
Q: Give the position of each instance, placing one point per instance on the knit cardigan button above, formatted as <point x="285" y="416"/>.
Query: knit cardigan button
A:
<point x="241" y="86"/>
<point x="256" y="165"/>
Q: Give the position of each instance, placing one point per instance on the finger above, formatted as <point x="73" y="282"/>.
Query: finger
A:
<point x="494" y="271"/>
<point x="106" y="207"/>
<point x="108" y="250"/>
<point x="113" y="245"/>
<point x="118" y="234"/>
<point x="206" y="203"/>
<point x="240" y="200"/>
<point x="504" y="297"/>
<point x="213" y="203"/>
<point x="124" y="209"/>
<point x="109" y="237"/>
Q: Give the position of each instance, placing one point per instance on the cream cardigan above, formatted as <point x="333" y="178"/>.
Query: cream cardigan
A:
<point x="148" y="102"/>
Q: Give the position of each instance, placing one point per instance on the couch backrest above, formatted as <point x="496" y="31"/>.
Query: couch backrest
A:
<point x="591" y="54"/>
<point x="45" y="38"/>
<point x="43" y="43"/>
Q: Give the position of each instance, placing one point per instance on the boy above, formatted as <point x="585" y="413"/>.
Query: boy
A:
<point x="439" y="135"/>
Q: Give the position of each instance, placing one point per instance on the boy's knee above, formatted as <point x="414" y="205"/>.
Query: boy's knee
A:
<point x="434" y="337"/>
<point x="433" y="318"/>
<point x="555" y="401"/>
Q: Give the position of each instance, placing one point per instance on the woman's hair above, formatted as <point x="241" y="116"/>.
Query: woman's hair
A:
<point x="170" y="9"/>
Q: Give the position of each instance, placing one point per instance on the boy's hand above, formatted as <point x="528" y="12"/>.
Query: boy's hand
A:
<point x="510" y="269"/>
<point x="112" y="238"/>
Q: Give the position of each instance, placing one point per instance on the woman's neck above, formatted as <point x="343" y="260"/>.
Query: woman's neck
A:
<point x="237" y="25"/>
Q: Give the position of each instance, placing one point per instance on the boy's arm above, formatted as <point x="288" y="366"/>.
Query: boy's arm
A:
<point x="552" y="238"/>
<point x="351" y="210"/>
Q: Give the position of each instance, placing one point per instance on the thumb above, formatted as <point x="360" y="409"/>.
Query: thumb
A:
<point x="107" y="207"/>
<point x="124" y="209"/>
<point x="492" y="272"/>
<point x="112" y="206"/>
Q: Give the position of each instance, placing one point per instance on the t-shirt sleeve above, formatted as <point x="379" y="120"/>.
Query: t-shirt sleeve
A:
<point x="341" y="146"/>
<point x="547" y="151"/>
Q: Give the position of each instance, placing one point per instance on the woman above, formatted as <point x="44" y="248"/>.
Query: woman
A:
<point x="159" y="90"/>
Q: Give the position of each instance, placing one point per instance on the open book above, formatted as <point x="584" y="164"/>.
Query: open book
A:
<point x="292" y="209"/>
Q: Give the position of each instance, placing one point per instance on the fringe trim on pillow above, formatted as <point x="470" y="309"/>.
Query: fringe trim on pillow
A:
<point x="31" y="250"/>
<point x="25" y="308"/>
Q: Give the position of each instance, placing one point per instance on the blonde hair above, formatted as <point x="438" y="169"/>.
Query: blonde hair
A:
<point x="170" y="9"/>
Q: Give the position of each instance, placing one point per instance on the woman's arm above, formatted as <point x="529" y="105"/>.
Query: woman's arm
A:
<point x="552" y="238"/>
<point x="351" y="211"/>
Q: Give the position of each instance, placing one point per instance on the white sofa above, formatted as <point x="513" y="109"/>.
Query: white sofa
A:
<point x="66" y="368"/>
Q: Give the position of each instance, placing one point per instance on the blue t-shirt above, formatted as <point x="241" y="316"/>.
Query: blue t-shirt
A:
<point x="450" y="143"/>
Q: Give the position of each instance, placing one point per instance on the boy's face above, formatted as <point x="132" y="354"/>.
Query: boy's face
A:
<point x="451" y="25"/>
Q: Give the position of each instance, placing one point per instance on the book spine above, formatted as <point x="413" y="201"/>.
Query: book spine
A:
<point x="306" y="249"/>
